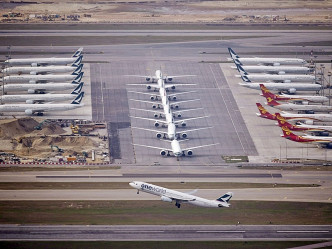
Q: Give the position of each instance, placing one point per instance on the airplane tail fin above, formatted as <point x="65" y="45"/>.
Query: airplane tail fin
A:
<point x="233" y="54"/>
<point x="78" y="52"/>
<point x="264" y="113"/>
<point x="79" y="77"/>
<point x="287" y="133"/>
<point x="226" y="197"/>
<point x="77" y="62"/>
<point x="266" y="92"/>
<point x="271" y="102"/>
<point x="78" y="70"/>
<point x="78" y="99"/>
<point x="279" y="117"/>
<point x="238" y="62"/>
<point x="78" y="89"/>
<point x="241" y="70"/>
<point x="245" y="78"/>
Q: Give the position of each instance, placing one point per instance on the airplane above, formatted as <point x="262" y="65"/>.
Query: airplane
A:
<point x="264" y="61"/>
<point x="165" y="102"/>
<point x="169" y="195"/>
<point x="287" y="78"/>
<point x="166" y="109"/>
<point x="171" y="96"/>
<point x="74" y="69"/>
<point x="34" y="62"/>
<point x="324" y="142"/>
<point x="319" y="130"/>
<point x="42" y="88"/>
<point x="30" y="109"/>
<point x="159" y="76"/>
<point x="276" y="69"/>
<point x="39" y="98"/>
<point x="161" y="84"/>
<point x="32" y="79"/>
<point x="175" y="148"/>
<point x="289" y="87"/>
<point x="263" y="113"/>
<point x="307" y="118"/>
<point x="294" y="98"/>
<point x="295" y="107"/>
<point x="171" y="132"/>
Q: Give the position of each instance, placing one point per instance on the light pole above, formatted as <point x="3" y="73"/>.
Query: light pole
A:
<point x="329" y="74"/>
<point x="322" y="78"/>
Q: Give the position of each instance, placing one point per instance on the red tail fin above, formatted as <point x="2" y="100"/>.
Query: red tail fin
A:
<point x="279" y="117"/>
<point x="266" y="92"/>
<point x="271" y="102"/>
<point x="291" y="136"/>
<point x="283" y="122"/>
<point x="287" y="132"/>
<point x="264" y="113"/>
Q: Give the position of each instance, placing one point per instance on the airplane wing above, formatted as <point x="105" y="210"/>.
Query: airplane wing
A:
<point x="186" y="119"/>
<point x="152" y="147"/>
<point x="151" y="119"/>
<point x="187" y="110"/>
<point x="154" y="111"/>
<point x="179" y="197"/>
<point x="145" y="101"/>
<point x="175" y="94"/>
<point x="146" y="85"/>
<point x="197" y="129"/>
<point x="201" y="146"/>
<point x="183" y="101"/>
<point x="192" y="192"/>
<point x="145" y="129"/>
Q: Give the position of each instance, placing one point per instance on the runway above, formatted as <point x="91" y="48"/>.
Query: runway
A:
<point x="164" y="233"/>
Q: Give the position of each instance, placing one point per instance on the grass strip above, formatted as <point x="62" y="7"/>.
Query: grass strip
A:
<point x="161" y="213"/>
<point x="125" y="185"/>
<point x="154" y="244"/>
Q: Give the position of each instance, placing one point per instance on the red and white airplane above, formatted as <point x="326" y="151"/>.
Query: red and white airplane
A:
<point x="319" y="130"/>
<point x="263" y="113"/>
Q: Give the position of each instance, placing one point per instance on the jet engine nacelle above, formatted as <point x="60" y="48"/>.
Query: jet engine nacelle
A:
<point x="34" y="64"/>
<point x="329" y="146"/>
<point x="167" y="199"/>
<point x="158" y="135"/>
<point x="305" y="102"/>
<point x="281" y="73"/>
<point x="173" y="87"/>
<point x="287" y="81"/>
<point x="309" y="112"/>
<point x="189" y="152"/>
<point x="292" y="90"/>
<point x="169" y="79"/>
<point x="28" y="112"/>
<point x="163" y="153"/>
<point x="153" y="98"/>
<point x="309" y="122"/>
<point x="184" y="135"/>
<point x="276" y="64"/>
<point x="156" y="115"/>
<point x="148" y="87"/>
<point x="32" y="81"/>
<point x="154" y="106"/>
<point x="172" y="98"/>
<point x="179" y="115"/>
<point x="29" y="101"/>
<point x="324" y="134"/>
<point x="147" y="78"/>
<point x="175" y="106"/>
<point x="31" y="91"/>
<point x="183" y="124"/>
<point x="156" y="124"/>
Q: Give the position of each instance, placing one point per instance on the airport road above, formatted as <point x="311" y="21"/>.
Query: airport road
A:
<point x="164" y="233"/>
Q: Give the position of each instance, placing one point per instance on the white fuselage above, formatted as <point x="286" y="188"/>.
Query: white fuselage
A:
<point x="276" y="69"/>
<point x="316" y="127"/>
<point x="32" y="98"/>
<point x="281" y="78"/>
<point x="160" y="191"/>
<point x="315" y="99"/>
<point x="38" y="78"/>
<point x="38" y="70"/>
<point x="176" y="148"/>
<point x="271" y="61"/>
<point x="296" y="107"/>
<point x="29" y="109"/>
<point x="31" y="88"/>
<point x="171" y="131"/>
<point x="291" y="87"/>
<point x="41" y="61"/>
<point x="313" y="117"/>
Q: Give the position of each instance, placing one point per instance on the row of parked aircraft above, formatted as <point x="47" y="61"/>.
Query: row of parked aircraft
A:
<point x="163" y="105"/>
<point x="36" y="79"/>
<point x="277" y="70"/>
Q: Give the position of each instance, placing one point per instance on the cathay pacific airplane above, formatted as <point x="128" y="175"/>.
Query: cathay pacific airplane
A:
<point x="32" y="79"/>
<point x="169" y="195"/>
<point x="46" y="61"/>
<point x="277" y="69"/>
<point x="264" y="61"/>
<point x="291" y="88"/>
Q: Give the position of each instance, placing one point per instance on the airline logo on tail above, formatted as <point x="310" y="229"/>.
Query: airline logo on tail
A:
<point x="78" y="70"/>
<point x="79" y="77"/>
<point x="286" y="131"/>
<point x="280" y="118"/>
<point x="271" y="102"/>
<point x="233" y="54"/>
<point x="264" y="113"/>
<point x="77" y="62"/>
<point x="241" y="70"/>
<point x="78" y="99"/>
<point x="290" y="126"/>
<point x="78" y="89"/>
<point x="226" y="197"/>
<point x="78" y="52"/>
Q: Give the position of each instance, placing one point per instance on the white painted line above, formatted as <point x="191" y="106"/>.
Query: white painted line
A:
<point x="219" y="231"/>
<point x="323" y="231"/>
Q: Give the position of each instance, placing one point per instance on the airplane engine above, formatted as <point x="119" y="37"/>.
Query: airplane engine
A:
<point x="329" y="146"/>
<point x="184" y="135"/>
<point x="173" y="87"/>
<point x="32" y="81"/>
<point x="29" y="101"/>
<point x="292" y="90"/>
<point x="305" y="102"/>
<point x="167" y="199"/>
<point x="175" y="106"/>
<point x="147" y="79"/>
<point x="276" y="64"/>
<point x="156" y="124"/>
<point x="309" y="112"/>
<point x="158" y="135"/>
<point x="179" y="115"/>
<point x="31" y="91"/>
<point x="172" y="98"/>
<point x="183" y="124"/>
<point x="287" y="81"/>
<point x="148" y="87"/>
<point x="281" y="73"/>
<point x="169" y="79"/>
<point x="309" y="122"/>
<point x="156" y="115"/>
<point x="189" y="152"/>
<point x="152" y="98"/>
<point x="163" y="153"/>
<point x="28" y="112"/>
<point x="34" y="64"/>
<point x="323" y="134"/>
<point x="154" y="106"/>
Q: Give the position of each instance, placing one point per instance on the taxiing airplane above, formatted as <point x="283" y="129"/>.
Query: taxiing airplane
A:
<point x="32" y="79"/>
<point x="41" y="88"/>
<point x="325" y="142"/>
<point x="319" y="130"/>
<point x="303" y="99"/>
<point x="291" y="88"/>
<point x="169" y="195"/>
<point x="74" y="69"/>
<point x="295" y="107"/>
<point x="287" y="78"/>
<point x="175" y="148"/>
<point x="159" y="76"/>
<point x="263" y="113"/>
<point x="46" y="61"/>
<point x="307" y="118"/>
<point x="276" y="69"/>
<point x="264" y="61"/>
<point x="39" y="109"/>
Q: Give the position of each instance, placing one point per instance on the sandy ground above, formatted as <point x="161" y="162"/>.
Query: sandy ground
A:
<point x="159" y="11"/>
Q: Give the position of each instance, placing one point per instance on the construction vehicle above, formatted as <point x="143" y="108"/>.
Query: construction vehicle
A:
<point x="40" y="125"/>
<point x="57" y="147"/>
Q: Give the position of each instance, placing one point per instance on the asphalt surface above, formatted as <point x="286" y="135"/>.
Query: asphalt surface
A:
<point x="163" y="233"/>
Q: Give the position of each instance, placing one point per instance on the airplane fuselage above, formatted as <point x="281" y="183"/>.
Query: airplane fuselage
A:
<point x="38" y="70"/>
<point x="270" y="61"/>
<point x="31" y="88"/>
<point x="29" y="109"/>
<point x="281" y="78"/>
<point x="32" y="98"/>
<point x="41" y="61"/>
<point x="277" y="69"/>
<point x="290" y="87"/>
<point x="38" y="78"/>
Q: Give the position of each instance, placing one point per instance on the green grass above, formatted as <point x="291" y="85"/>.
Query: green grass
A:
<point x="125" y="185"/>
<point x="154" y="244"/>
<point x="162" y="213"/>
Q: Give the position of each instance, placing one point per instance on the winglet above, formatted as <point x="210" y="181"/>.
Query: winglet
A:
<point x="78" y="99"/>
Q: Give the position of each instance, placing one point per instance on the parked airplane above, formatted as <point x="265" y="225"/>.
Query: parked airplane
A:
<point x="325" y="142"/>
<point x="171" y="133"/>
<point x="287" y="78"/>
<point x="39" y="98"/>
<point x="46" y="61"/>
<point x="161" y="84"/>
<point x="276" y="69"/>
<point x="166" y="109"/>
<point x="74" y="69"/>
<point x="289" y="87"/>
<point x="159" y="76"/>
<point x="294" y="98"/>
<point x="175" y="148"/>
<point x="30" y="109"/>
<point x="307" y="118"/>
<point x="295" y="107"/>
<point x="319" y="130"/>
<point x="169" y="195"/>
<point x="263" y="113"/>
<point x="264" y="61"/>
<point x="42" y="88"/>
<point x="164" y="102"/>
<point x="153" y="96"/>
<point x="42" y="78"/>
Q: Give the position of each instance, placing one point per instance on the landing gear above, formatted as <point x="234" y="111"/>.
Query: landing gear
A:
<point x="137" y="191"/>
<point x="178" y="205"/>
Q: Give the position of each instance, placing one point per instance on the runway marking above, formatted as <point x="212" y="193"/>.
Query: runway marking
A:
<point x="220" y="231"/>
<point x="126" y="231"/>
<point x="323" y="231"/>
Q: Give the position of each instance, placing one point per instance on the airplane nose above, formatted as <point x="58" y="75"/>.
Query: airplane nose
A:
<point x="132" y="184"/>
